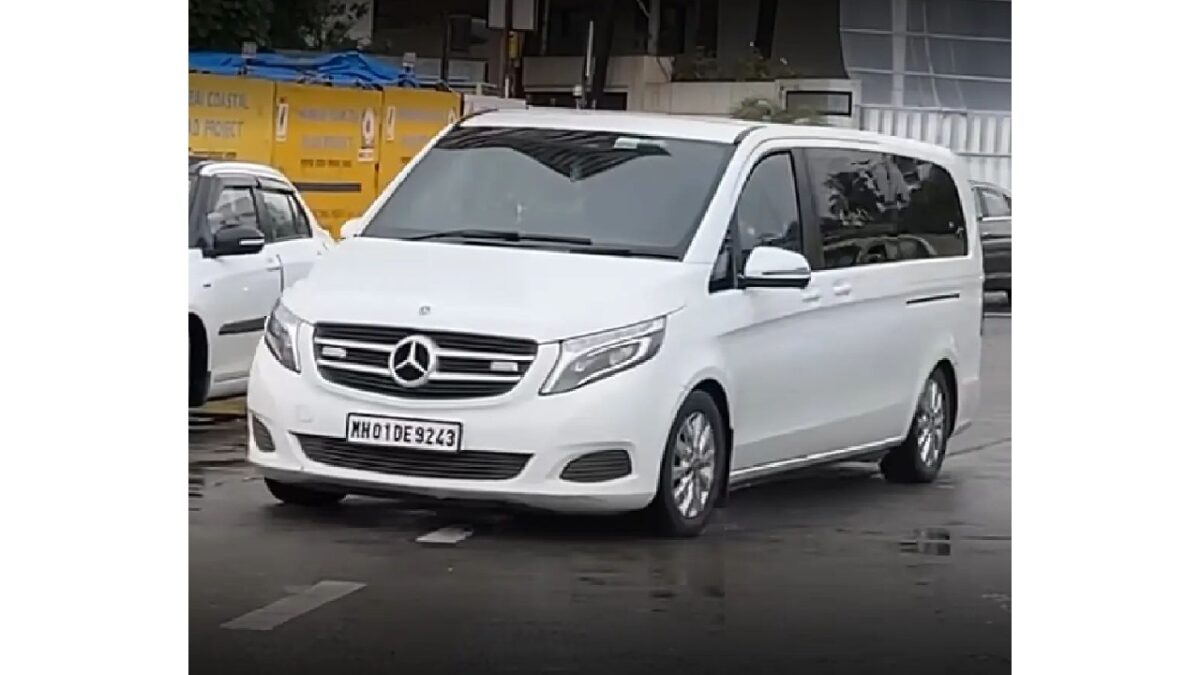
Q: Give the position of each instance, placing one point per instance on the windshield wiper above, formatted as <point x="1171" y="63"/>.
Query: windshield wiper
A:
<point x="504" y="235"/>
<point x="573" y="244"/>
<point x="600" y="249"/>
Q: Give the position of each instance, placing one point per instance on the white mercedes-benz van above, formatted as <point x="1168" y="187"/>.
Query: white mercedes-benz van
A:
<point x="616" y="311"/>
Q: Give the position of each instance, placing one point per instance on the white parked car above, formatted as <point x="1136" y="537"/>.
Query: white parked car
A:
<point x="618" y="311"/>
<point x="250" y="235"/>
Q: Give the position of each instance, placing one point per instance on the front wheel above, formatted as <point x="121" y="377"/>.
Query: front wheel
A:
<point x="298" y="495"/>
<point x="693" y="468"/>
<point x="919" y="458"/>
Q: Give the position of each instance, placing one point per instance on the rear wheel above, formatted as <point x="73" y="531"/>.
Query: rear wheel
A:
<point x="919" y="458"/>
<point x="299" y="495"/>
<point x="198" y="377"/>
<point x="693" y="468"/>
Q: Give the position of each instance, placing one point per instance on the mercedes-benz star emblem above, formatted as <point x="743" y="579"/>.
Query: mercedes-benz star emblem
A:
<point x="413" y="361"/>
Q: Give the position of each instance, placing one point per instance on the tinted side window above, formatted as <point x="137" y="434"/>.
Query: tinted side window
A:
<point x="280" y="219"/>
<point x="302" y="224"/>
<point x="234" y="206"/>
<point x="929" y="211"/>
<point x="852" y="196"/>
<point x="994" y="204"/>
<point x="767" y="213"/>
<point x="875" y="208"/>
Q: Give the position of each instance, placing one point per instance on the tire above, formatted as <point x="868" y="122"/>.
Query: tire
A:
<point x="687" y="516"/>
<point x="198" y="376"/>
<point x="919" y="458"/>
<point x="298" y="495"/>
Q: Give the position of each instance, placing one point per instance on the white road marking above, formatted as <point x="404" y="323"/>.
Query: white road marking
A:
<point x="449" y="535"/>
<point x="286" y="609"/>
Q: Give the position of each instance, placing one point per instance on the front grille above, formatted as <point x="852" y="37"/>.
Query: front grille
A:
<point x="262" y="436"/>
<point x="598" y="466"/>
<point x="466" y="464"/>
<point x="469" y="366"/>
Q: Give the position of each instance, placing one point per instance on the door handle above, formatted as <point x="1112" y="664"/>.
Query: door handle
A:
<point x="809" y="298"/>
<point x="274" y="268"/>
<point x="841" y="289"/>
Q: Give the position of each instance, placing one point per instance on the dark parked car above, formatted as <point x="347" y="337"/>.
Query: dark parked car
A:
<point x="994" y="205"/>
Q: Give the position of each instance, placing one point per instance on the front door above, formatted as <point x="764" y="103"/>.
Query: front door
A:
<point x="240" y="290"/>
<point x="780" y="351"/>
<point x="288" y="231"/>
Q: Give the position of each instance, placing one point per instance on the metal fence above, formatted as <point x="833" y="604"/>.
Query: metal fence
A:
<point x="984" y="140"/>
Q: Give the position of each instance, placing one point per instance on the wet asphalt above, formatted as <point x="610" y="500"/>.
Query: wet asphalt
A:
<point x="828" y="571"/>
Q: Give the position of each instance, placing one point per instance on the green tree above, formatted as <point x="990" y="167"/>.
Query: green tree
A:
<point x="223" y="25"/>
<point x="766" y="110"/>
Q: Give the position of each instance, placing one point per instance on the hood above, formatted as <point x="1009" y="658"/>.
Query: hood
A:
<point x="538" y="294"/>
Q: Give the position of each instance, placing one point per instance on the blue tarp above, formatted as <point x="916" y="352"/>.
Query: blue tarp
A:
<point x="347" y="69"/>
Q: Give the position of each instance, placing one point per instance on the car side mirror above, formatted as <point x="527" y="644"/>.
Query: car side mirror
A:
<point x="771" y="267"/>
<point x="352" y="228"/>
<point x="237" y="240"/>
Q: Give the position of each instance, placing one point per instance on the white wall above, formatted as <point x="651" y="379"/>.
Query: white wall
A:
<point x="984" y="140"/>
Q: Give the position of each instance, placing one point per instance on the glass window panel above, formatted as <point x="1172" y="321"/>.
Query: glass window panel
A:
<point x="948" y="93"/>
<point x="968" y="57"/>
<point x="986" y="95"/>
<point x="867" y="51"/>
<point x="867" y="14"/>
<point x="984" y="18"/>
<point x="916" y="57"/>
<point x="916" y="16"/>
<point x="876" y="88"/>
<point x="918" y="92"/>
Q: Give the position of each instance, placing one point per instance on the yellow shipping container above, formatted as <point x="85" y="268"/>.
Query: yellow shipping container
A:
<point x="327" y="143"/>
<point x="410" y="118"/>
<point x="230" y="117"/>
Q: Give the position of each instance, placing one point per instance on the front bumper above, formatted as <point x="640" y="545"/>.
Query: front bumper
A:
<point x="632" y="411"/>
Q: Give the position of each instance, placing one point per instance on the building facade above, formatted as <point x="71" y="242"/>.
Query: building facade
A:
<point x="934" y="70"/>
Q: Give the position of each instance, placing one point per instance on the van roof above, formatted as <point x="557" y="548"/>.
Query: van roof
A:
<point x="694" y="127"/>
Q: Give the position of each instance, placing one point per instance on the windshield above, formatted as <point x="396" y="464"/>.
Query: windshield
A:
<point x="583" y="191"/>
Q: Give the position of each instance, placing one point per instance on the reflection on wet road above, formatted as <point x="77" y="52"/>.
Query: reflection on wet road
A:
<point x="830" y="571"/>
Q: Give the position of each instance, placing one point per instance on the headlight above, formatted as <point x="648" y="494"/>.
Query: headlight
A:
<point x="588" y="358"/>
<point x="280" y="336"/>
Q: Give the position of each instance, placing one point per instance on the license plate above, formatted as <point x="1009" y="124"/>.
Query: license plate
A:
<point x="397" y="432"/>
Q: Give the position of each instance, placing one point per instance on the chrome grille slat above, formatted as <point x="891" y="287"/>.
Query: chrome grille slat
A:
<point x="464" y="361"/>
<point x="355" y="344"/>
<point x="482" y="356"/>
<point x="472" y="377"/>
<point x="356" y="367"/>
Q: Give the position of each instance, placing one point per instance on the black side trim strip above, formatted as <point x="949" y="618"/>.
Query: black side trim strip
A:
<point x="932" y="298"/>
<point x="247" y="326"/>
<point x="329" y="187"/>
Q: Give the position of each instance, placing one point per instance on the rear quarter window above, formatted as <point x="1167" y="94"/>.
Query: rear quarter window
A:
<point x="875" y="208"/>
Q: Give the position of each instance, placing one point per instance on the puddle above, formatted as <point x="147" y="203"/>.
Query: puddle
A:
<point x="931" y="541"/>
<point x="1001" y="599"/>
<point x="196" y="485"/>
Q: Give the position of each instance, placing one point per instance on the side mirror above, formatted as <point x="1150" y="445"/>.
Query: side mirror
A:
<point x="771" y="267"/>
<point x="237" y="240"/>
<point x="352" y="228"/>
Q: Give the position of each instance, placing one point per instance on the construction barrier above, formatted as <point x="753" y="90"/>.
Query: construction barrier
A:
<point x="326" y="141"/>
<point x="339" y="145"/>
<point x="411" y="117"/>
<point x="230" y="117"/>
